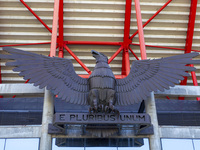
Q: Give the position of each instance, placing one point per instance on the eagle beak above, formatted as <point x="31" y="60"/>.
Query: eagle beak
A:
<point x="94" y="53"/>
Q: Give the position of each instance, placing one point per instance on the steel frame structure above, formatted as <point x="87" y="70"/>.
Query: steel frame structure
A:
<point x="58" y="41"/>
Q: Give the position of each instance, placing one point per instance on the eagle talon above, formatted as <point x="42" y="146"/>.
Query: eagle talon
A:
<point x="112" y="107"/>
<point x="115" y="111"/>
<point x="93" y="110"/>
<point x="101" y="108"/>
<point x="90" y="110"/>
<point x="107" y="109"/>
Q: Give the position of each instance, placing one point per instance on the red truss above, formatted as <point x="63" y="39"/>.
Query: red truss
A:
<point x="124" y="46"/>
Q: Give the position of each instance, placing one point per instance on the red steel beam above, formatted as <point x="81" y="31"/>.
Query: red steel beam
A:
<point x="189" y="39"/>
<point x="61" y="31"/>
<point x="126" y="41"/>
<point x="165" y="47"/>
<point x="191" y="24"/>
<point x="190" y="31"/>
<point x="103" y="43"/>
<point x="140" y="30"/>
<point x="127" y="22"/>
<point x="98" y="43"/>
<point x="194" y="78"/>
<point x="115" y="54"/>
<point x="54" y="29"/>
<point x="92" y="43"/>
<point x="77" y="59"/>
<point x="54" y="32"/>
<point x="125" y="63"/>
<point x="61" y="52"/>
<point x="25" y="44"/>
<point x="35" y="15"/>
<point x="133" y="53"/>
<point x="152" y="17"/>
<point x="54" y="37"/>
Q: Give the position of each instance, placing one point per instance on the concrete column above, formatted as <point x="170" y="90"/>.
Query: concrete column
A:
<point x="150" y="106"/>
<point x="47" y="117"/>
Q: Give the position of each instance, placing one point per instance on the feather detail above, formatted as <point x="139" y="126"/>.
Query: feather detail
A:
<point x="57" y="74"/>
<point x="152" y="75"/>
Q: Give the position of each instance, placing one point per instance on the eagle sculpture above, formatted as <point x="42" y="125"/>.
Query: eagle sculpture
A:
<point x="102" y="91"/>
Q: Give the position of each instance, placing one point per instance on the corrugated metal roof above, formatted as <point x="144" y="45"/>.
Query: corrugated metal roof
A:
<point x="96" y="20"/>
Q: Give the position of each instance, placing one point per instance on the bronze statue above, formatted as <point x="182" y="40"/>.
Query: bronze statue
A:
<point x="102" y="84"/>
<point x="102" y="91"/>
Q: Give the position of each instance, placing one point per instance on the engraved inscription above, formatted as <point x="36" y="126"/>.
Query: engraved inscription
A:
<point x="85" y="118"/>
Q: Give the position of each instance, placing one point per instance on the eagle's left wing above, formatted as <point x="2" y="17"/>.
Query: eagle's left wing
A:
<point x="151" y="75"/>
<point x="57" y="74"/>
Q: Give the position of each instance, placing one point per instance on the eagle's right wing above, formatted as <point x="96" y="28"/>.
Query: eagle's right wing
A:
<point x="151" y="75"/>
<point x="57" y="74"/>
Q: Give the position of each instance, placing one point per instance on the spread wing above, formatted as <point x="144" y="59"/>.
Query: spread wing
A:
<point x="57" y="74"/>
<point x="151" y="75"/>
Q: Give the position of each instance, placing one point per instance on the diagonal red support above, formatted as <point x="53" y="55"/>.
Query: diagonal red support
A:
<point x="115" y="54"/>
<point x="140" y="30"/>
<point x="35" y="15"/>
<point x="133" y="53"/>
<point x="98" y="43"/>
<point x="165" y="5"/>
<point x="77" y="59"/>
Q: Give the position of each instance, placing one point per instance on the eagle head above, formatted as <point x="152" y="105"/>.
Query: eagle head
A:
<point x="99" y="56"/>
